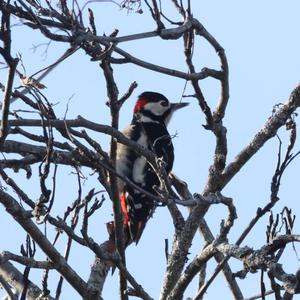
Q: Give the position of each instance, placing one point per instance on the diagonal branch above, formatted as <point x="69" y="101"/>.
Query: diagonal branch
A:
<point x="268" y="131"/>
<point x="180" y="250"/>
<point x="15" y="278"/>
<point x="8" y="289"/>
<point x="26" y="261"/>
<point x="22" y="217"/>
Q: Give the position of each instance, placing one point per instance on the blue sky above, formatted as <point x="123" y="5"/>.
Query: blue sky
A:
<point x="261" y="40"/>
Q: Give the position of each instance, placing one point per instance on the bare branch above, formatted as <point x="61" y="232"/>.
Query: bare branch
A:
<point x="65" y="23"/>
<point x="280" y="168"/>
<point x="114" y="105"/>
<point x="267" y="293"/>
<point x="12" y="65"/>
<point x="81" y="122"/>
<point x="267" y="132"/>
<point x="15" y="278"/>
<point x="26" y="261"/>
<point x="8" y="289"/>
<point x="21" y="216"/>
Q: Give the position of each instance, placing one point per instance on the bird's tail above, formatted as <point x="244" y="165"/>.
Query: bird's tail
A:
<point x="132" y="229"/>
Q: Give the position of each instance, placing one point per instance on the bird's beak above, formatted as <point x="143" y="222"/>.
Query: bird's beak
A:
<point x="176" y="106"/>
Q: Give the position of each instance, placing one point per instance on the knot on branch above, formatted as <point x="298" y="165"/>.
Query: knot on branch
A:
<point x="213" y="198"/>
<point x="175" y="33"/>
<point x="256" y="260"/>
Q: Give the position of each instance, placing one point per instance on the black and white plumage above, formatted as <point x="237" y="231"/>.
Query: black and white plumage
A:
<point x="152" y="113"/>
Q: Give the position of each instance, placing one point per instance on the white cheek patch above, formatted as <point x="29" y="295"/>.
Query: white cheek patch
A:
<point x="156" y="108"/>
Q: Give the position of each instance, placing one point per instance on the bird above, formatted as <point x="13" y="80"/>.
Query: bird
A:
<point x="151" y="115"/>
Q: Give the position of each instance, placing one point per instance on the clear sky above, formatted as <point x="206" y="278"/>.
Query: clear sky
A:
<point x="261" y="40"/>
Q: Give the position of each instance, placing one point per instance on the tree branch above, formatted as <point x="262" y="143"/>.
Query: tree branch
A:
<point x="268" y="131"/>
<point x="12" y="65"/>
<point x="8" y="289"/>
<point x="81" y="122"/>
<point x="214" y="184"/>
<point x="26" y="261"/>
<point x="21" y="216"/>
<point x="15" y="278"/>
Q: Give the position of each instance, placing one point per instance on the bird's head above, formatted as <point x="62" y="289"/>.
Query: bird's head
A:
<point x="155" y="107"/>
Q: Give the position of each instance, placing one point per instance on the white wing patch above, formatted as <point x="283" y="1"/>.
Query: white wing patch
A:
<point x="140" y="163"/>
<point x="122" y="167"/>
<point x="138" y="170"/>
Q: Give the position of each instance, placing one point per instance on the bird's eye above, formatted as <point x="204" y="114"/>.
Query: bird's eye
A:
<point x="164" y="103"/>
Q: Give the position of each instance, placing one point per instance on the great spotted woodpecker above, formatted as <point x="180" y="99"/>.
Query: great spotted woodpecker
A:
<point x="151" y="115"/>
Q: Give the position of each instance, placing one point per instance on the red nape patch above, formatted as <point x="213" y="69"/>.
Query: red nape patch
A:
<point x="140" y="104"/>
<point x="124" y="208"/>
